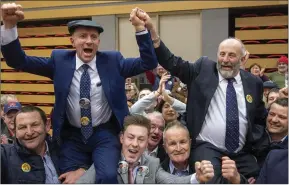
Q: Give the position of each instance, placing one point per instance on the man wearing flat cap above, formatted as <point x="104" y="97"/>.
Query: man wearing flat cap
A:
<point x="90" y="102"/>
<point x="279" y="76"/>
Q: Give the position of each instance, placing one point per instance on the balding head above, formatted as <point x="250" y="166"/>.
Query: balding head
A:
<point x="231" y="54"/>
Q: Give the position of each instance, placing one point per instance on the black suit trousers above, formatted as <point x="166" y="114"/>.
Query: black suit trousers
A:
<point x="246" y="163"/>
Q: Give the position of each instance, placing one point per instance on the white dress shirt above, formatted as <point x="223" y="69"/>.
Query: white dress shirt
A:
<point x="100" y="110"/>
<point x="214" y="126"/>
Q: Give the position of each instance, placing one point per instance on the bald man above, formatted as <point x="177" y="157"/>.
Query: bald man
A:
<point x="225" y="112"/>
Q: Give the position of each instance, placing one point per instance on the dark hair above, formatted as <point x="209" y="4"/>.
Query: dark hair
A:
<point x="281" y="101"/>
<point x="275" y="90"/>
<point x="160" y="105"/>
<point x="255" y="64"/>
<point x="138" y="120"/>
<point x="30" y="108"/>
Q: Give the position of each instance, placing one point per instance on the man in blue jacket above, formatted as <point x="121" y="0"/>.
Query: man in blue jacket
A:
<point x="90" y="101"/>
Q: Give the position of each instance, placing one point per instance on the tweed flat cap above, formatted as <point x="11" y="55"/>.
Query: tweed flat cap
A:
<point x="72" y="25"/>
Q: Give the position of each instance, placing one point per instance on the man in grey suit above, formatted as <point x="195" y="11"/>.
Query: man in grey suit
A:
<point x="137" y="167"/>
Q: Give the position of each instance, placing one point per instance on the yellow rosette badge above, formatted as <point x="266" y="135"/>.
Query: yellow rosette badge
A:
<point x="249" y="98"/>
<point x="26" y="167"/>
<point x="84" y="121"/>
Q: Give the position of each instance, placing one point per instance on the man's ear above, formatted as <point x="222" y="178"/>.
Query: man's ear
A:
<point x="48" y="125"/>
<point x="121" y="137"/>
<point x="72" y="41"/>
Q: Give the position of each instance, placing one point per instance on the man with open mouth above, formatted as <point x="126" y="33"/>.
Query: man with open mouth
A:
<point x="136" y="167"/>
<point x="90" y="101"/>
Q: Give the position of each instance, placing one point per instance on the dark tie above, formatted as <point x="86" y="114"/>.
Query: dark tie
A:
<point x="86" y="125"/>
<point x="232" y="118"/>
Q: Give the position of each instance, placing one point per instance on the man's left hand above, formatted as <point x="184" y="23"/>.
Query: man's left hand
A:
<point x="72" y="176"/>
<point x="229" y="171"/>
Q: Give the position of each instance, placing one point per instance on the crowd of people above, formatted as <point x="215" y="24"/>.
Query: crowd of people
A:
<point x="201" y="122"/>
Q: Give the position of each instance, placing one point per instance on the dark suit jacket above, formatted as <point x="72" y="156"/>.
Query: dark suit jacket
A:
<point x="202" y="80"/>
<point x="275" y="168"/>
<point x="113" y="69"/>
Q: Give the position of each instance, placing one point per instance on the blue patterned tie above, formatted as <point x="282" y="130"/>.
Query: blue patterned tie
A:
<point x="232" y="118"/>
<point x="86" y="129"/>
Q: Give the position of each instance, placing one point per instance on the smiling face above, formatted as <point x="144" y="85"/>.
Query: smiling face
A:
<point x="177" y="144"/>
<point x="134" y="142"/>
<point x="169" y="113"/>
<point x="229" y="58"/>
<point x="31" y="130"/>
<point x="277" y="120"/>
<point x="86" y="41"/>
<point x="255" y="70"/>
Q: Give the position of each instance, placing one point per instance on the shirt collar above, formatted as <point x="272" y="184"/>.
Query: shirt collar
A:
<point x="155" y="151"/>
<point x="91" y="64"/>
<point x="172" y="167"/>
<point x="237" y="78"/>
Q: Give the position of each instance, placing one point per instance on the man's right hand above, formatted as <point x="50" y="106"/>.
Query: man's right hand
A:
<point x="11" y="14"/>
<point x="204" y="171"/>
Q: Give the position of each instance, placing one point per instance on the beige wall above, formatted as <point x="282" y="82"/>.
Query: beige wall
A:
<point x="180" y="32"/>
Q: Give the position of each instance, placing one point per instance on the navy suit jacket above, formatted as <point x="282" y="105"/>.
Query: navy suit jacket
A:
<point x="275" y="168"/>
<point x="112" y="67"/>
<point x="202" y="80"/>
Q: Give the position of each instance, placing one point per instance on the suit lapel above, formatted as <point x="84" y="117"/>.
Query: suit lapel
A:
<point x="139" y="179"/>
<point x="248" y="93"/>
<point x="213" y="82"/>
<point x="68" y="70"/>
<point x="124" y="177"/>
<point x="103" y="71"/>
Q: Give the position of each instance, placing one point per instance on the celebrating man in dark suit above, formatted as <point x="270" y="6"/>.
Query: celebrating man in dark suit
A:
<point x="90" y="101"/>
<point x="225" y="111"/>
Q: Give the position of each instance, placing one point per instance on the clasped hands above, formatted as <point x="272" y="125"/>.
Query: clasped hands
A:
<point x="140" y="20"/>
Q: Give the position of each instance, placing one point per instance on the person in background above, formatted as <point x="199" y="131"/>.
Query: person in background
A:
<point x="5" y="99"/>
<point x="10" y="111"/>
<point x="279" y="76"/>
<point x="155" y="142"/>
<point x="154" y="79"/>
<point x="257" y="70"/>
<point x="272" y="96"/>
<point x="267" y="86"/>
<point x="132" y="92"/>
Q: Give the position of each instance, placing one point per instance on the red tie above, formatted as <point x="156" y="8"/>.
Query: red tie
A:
<point x="130" y="175"/>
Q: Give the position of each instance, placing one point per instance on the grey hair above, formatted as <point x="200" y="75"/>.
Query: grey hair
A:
<point x="5" y="97"/>
<point x="156" y="114"/>
<point x="243" y="48"/>
<point x="174" y="124"/>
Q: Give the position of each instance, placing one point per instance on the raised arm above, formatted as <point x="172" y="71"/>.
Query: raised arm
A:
<point x="147" y="61"/>
<point x="11" y="48"/>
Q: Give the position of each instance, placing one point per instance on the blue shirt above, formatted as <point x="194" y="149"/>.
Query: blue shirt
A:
<point x="50" y="171"/>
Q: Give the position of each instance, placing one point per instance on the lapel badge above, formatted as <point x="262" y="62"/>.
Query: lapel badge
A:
<point x="170" y="83"/>
<point x="84" y="121"/>
<point x="249" y="98"/>
<point x="25" y="167"/>
<point x="142" y="170"/>
<point x="84" y="103"/>
<point x="122" y="167"/>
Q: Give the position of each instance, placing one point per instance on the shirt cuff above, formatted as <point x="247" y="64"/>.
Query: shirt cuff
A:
<point x="194" y="179"/>
<point x="142" y="32"/>
<point x="8" y="35"/>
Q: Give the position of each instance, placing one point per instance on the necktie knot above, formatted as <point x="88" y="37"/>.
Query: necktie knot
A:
<point x="231" y="80"/>
<point x="85" y="67"/>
